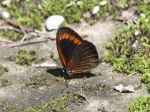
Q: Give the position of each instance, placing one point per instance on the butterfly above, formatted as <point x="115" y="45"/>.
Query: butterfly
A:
<point x="76" y="55"/>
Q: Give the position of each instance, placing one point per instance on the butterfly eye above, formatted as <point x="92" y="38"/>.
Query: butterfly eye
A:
<point x="63" y="70"/>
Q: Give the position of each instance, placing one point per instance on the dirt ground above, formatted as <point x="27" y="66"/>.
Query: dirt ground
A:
<point x="104" y="99"/>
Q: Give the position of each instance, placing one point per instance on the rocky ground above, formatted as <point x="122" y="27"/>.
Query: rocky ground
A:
<point x="102" y="98"/>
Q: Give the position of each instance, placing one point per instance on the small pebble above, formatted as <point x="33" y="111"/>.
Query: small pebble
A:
<point x="87" y="15"/>
<point x="32" y="34"/>
<point x="135" y="44"/>
<point x="142" y="15"/>
<point x="136" y="33"/>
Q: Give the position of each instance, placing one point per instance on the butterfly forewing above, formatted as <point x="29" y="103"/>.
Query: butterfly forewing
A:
<point x="67" y="41"/>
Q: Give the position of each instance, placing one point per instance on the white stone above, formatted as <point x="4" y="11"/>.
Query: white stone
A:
<point x="119" y="88"/>
<point x="95" y="10"/>
<point x="54" y="21"/>
<point x="125" y="89"/>
<point x="135" y="44"/>
<point x="136" y="33"/>
<point x="5" y="14"/>
<point x="129" y="88"/>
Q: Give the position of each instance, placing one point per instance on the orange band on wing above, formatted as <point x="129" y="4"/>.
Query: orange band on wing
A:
<point x="76" y="41"/>
<point x="64" y="36"/>
<point x="70" y="38"/>
<point x="62" y="57"/>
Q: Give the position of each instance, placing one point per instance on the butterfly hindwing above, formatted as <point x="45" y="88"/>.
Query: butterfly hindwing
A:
<point x="84" y="58"/>
<point x="67" y="40"/>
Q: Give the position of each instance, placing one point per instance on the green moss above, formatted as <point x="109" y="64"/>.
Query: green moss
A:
<point x="37" y="11"/>
<point x="12" y="35"/>
<point x="95" y="87"/>
<point x="123" y="3"/>
<point x="2" y="70"/>
<point x="37" y="81"/>
<point x="3" y="82"/>
<point x="26" y="58"/>
<point x="58" y="104"/>
<point x="129" y="50"/>
<point x="141" y="104"/>
<point x="146" y="79"/>
<point x="143" y="8"/>
<point x="6" y="107"/>
<point x="125" y="57"/>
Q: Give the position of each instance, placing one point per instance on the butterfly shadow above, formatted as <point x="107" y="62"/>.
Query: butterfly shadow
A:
<point x="57" y="72"/>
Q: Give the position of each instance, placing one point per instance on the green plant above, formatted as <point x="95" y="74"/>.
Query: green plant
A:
<point x="6" y="107"/>
<point x="35" y="11"/>
<point x="26" y="58"/>
<point x="37" y="81"/>
<point x="12" y="35"/>
<point x="123" y="3"/>
<point x="3" y="82"/>
<point x="141" y="104"/>
<point x="58" y="104"/>
<point x="146" y="79"/>
<point x="32" y="13"/>
<point x="3" y="70"/>
<point x="96" y="87"/>
<point x="128" y="52"/>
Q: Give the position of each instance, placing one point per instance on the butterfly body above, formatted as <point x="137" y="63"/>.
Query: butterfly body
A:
<point x="77" y="55"/>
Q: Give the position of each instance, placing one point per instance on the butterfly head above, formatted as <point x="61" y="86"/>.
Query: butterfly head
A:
<point x="67" y="70"/>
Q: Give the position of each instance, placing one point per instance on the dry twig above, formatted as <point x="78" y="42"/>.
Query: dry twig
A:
<point x="23" y="29"/>
<point x="27" y="42"/>
<point x="43" y="37"/>
<point x="9" y="28"/>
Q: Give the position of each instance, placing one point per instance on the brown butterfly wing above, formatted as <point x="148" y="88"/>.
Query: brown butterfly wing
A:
<point x="84" y="58"/>
<point x="67" y="40"/>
